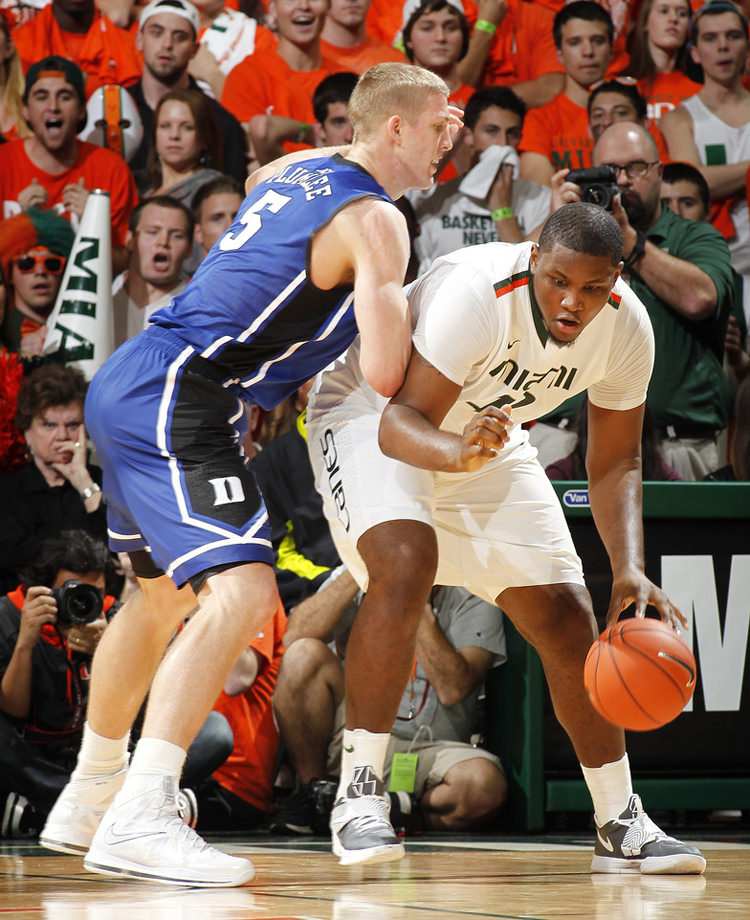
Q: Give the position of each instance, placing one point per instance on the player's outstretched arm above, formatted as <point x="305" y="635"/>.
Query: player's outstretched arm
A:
<point x="613" y="462"/>
<point x="410" y="426"/>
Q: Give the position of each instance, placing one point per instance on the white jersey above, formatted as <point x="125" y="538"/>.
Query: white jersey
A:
<point x="476" y="320"/>
<point x="720" y="143"/>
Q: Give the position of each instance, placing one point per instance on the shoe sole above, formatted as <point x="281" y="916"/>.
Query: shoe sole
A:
<point x="181" y="877"/>
<point x="679" y="864"/>
<point x="372" y="855"/>
<point x="64" y="846"/>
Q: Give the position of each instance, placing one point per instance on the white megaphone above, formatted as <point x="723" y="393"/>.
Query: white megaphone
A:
<point x="81" y="328"/>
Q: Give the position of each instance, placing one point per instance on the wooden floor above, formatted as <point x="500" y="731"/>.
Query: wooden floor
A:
<point x="513" y="879"/>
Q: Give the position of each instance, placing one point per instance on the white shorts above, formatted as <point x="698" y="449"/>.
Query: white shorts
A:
<point x="497" y="528"/>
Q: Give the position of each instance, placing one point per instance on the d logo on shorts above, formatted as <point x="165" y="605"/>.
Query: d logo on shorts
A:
<point x="227" y="490"/>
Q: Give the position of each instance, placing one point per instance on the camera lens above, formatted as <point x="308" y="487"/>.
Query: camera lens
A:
<point x="82" y="606"/>
<point x="77" y="602"/>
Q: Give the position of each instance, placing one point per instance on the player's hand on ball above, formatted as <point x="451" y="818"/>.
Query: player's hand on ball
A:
<point x="483" y="437"/>
<point x="632" y="587"/>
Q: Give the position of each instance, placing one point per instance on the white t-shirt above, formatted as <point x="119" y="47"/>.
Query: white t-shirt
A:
<point x="450" y="220"/>
<point x="130" y="319"/>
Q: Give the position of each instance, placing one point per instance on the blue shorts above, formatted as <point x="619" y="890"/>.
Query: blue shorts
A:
<point x="167" y="435"/>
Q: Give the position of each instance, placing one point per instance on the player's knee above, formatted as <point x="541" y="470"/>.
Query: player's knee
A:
<point x="247" y="592"/>
<point x="408" y="563"/>
<point x="165" y="602"/>
<point x="563" y="623"/>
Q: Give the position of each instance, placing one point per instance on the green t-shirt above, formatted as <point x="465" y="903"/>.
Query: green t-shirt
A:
<point x="688" y="385"/>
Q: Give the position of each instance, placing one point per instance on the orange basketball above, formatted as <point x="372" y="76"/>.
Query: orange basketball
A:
<point x="639" y="674"/>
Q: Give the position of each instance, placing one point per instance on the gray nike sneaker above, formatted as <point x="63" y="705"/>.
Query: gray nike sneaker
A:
<point x="361" y="830"/>
<point x="633" y="843"/>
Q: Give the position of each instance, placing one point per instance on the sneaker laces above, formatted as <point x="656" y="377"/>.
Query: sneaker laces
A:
<point x="166" y="808"/>
<point x="641" y="829"/>
<point x="371" y="810"/>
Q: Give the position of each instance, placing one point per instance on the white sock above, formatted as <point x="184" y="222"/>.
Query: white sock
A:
<point x="152" y="757"/>
<point x="611" y="787"/>
<point x="361" y="748"/>
<point x="100" y="756"/>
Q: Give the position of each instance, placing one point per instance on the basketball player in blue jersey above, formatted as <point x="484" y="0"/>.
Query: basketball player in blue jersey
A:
<point x="317" y="252"/>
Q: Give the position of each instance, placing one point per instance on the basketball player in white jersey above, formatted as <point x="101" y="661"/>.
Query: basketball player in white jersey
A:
<point x="440" y="484"/>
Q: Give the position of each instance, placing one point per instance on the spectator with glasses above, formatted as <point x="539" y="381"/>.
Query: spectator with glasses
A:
<point x="34" y="247"/>
<point x="681" y="271"/>
<point x="610" y="100"/>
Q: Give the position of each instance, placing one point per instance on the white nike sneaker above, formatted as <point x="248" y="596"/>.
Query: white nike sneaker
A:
<point x="75" y="816"/>
<point x="144" y="837"/>
<point x="633" y="843"/>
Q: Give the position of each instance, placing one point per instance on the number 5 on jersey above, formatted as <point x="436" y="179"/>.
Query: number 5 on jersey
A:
<point x="271" y="201"/>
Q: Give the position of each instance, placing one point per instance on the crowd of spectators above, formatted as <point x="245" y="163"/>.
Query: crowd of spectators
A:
<point x="653" y="91"/>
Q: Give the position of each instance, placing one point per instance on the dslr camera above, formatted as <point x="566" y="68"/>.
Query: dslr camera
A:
<point x="598" y="185"/>
<point x="77" y="603"/>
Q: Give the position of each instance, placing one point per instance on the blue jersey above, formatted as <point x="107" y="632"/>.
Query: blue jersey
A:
<point x="251" y="309"/>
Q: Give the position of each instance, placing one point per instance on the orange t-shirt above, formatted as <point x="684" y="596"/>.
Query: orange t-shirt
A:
<point x="97" y="166"/>
<point x="249" y="770"/>
<point x="265" y="84"/>
<point x="523" y="47"/>
<point x="358" y="58"/>
<point x="384" y="19"/>
<point x="106" y="53"/>
<point x="559" y="131"/>
<point x="665" y="92"/>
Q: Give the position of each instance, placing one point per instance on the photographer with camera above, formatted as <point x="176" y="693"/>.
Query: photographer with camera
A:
<point x="50" y="627"/>
<point x="680" y="269"/>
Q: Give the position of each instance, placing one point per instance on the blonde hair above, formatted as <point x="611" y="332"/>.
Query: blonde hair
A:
<point x="12" y="92"/>
<point x="390" y="89"/>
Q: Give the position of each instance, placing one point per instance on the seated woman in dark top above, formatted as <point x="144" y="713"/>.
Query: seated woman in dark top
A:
<point x="56" y="489"/>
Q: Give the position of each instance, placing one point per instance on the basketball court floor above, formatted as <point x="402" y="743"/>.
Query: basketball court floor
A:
<point x="441" y="878"/>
